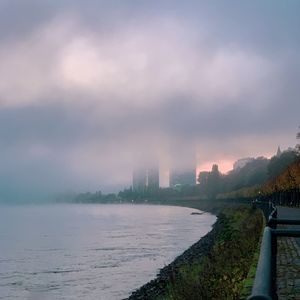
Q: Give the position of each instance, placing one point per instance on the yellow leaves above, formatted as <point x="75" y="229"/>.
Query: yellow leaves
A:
<point x="288" y="180"/>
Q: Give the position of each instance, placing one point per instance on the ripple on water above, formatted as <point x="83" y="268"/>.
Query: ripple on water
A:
<point x="90" y="251"/>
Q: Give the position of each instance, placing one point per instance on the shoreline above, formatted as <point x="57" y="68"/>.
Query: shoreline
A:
<point x="157" y="287"/>
<point x="216" y="266"/>
<point x="212" y="253"/>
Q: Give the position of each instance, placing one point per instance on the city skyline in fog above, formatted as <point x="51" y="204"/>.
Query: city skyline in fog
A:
<point x="88" y="87"/>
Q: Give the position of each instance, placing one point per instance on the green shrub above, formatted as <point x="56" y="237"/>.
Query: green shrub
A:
<point x="220" y="274"/>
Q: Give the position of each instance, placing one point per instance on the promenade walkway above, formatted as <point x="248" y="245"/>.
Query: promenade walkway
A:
<point x="288" y="259"/>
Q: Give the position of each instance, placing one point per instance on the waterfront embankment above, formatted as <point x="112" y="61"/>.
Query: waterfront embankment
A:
<point x="216" y="266"/>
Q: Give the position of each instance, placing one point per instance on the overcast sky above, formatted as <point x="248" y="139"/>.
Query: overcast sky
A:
<point x="89" y="88"/>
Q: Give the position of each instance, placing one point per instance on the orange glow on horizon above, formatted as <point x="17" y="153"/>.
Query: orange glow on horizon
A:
<point x="224" y="166"/>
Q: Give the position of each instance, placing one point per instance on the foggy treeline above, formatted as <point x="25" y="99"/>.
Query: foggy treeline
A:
<point x="260" y="175"/>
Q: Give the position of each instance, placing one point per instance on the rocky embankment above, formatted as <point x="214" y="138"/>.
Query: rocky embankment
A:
<point x="156" y="288"/>
<point x="217" y="266"/>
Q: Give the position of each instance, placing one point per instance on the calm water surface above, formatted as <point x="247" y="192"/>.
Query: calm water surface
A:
<point x="90" y="251"/>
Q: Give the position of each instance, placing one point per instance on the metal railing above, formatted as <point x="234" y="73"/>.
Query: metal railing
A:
<point x="264" y="286"/>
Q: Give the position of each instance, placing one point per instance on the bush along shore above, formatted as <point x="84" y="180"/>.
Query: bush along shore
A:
<point x="216" y="266"/>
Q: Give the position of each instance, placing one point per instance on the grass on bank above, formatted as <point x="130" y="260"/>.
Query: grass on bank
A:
<point x="249" y="280"/>
<point x="221" y="274"/>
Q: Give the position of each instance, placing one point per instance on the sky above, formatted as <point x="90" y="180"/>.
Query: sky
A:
<point x="89" y="89"/>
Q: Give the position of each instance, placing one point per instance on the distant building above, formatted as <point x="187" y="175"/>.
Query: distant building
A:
<point x="139" y="180"/>
<point x="203" y="177"/>
<point x="186" y="177"/>
<point x="215" y="168"/>
<point x="153" y="179"/>
<point x="279" y="152"/>
<point x="145" y="179"/>
<point x="242" y="163"/>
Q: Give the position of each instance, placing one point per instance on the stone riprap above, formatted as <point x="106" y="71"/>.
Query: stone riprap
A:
<point x="157" y="287"/>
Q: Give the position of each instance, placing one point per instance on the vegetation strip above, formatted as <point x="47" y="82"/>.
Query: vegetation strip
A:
<point x="214" y="267"/>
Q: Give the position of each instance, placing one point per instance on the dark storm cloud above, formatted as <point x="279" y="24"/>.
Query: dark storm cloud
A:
<point x="87" y="86"/>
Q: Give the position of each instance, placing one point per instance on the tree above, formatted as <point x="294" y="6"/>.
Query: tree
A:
<point x="214" y="181"/>
<point x="210" y="182"/>
<point x="289" y="179"/>
<point x="298" y="145"/>
<point x="279" y="163"/>
<point x="253" y="173"/>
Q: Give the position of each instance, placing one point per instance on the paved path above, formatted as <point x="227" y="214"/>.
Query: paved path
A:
<point x="288" y="259"/>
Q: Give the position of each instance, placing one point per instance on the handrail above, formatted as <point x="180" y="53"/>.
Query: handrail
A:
<point x="283" y="221"/>
<point x="287" y="232"/>
<point x="264" y="286"/>
<point x="263" y="283"/>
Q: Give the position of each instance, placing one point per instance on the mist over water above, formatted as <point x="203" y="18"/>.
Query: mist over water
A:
<point x="90" y="251"/>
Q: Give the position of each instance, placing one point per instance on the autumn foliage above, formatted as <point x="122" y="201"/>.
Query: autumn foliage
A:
<point x="288" y="180"/>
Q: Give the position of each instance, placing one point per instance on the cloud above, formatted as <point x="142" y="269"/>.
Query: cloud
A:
<point x="142" y="66"/>
<point x="84" y="93"/>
